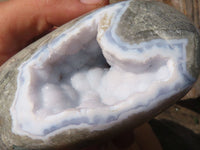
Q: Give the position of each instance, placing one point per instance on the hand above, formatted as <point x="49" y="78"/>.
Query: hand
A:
<point x="140" y="138"/>
<point x="23" y="21"/>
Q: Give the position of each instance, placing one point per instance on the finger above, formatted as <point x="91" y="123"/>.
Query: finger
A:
<point x="124" y="140"/>
<point x="67" y="10"/>
<point x="146" y="139"/>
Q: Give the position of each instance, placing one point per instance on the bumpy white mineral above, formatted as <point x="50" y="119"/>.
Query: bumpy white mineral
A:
<point x="115" y="67"/>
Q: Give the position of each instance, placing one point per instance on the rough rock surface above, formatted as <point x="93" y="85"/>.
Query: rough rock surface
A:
<point x="8" y="84"/>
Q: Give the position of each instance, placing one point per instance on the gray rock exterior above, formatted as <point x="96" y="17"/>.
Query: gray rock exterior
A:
<point x="145" y="20"/>
<point x="142" y="21"/>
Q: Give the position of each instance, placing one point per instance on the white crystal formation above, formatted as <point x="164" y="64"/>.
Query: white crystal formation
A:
<point x="88" y="77"/>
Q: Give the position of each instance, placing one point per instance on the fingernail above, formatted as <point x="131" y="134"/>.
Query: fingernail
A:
<point x="91" y="1"/>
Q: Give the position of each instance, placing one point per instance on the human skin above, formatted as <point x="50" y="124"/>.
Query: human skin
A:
<point x="22" y="22"/>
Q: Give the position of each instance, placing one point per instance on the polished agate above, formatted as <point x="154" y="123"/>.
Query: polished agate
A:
<point x="119" y="65"/>
<point x="88" y="77"/>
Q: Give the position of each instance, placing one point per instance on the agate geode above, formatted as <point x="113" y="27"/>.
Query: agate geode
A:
<point x="116" y="67"/>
